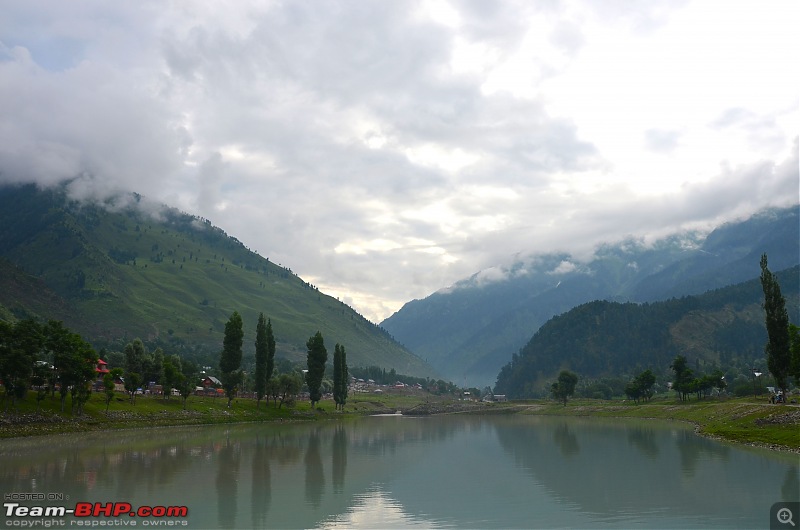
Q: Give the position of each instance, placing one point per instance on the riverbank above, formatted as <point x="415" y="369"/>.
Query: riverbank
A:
<point x="28" y="418"/>
<point x="747" y="421"/>
<point x="742" y="420"/>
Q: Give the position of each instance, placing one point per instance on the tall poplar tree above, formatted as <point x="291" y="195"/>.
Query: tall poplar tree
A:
<point x="135" y="354"/>
<point x="316" y="359"/>
<point x="345" y="378"/>
<point x="777" y="321"/>
<point x="230" y="360"/>
<point x="337" y="376"/>
<point x="794" y="340"/>
<point x="262" y="351"/>
<point x="270" y="350"/>
<point x="340" y="376"/>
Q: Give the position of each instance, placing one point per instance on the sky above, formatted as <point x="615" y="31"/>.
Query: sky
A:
<point x="386" y="149"/>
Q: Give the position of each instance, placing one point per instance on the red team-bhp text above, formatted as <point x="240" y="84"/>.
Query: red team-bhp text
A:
<point x="96" y="509"/>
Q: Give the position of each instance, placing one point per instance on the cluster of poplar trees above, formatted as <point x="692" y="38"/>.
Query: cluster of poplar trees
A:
<point x="284" y="386"/>
<point x="316" y="360"/>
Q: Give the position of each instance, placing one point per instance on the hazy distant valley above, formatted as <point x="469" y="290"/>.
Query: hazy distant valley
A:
<point x="471" y="329"/>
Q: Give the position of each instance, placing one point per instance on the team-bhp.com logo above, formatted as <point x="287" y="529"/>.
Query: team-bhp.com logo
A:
<point x="159" y="514"/>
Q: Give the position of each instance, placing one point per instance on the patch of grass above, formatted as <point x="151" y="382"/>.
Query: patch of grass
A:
<point x="27" y="419"/>
<point x="741" y="420"/>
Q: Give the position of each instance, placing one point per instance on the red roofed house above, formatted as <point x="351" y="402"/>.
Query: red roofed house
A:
<point x="102" y="368"/>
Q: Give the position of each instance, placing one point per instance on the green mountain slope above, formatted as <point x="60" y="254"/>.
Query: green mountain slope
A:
<point x="114" y="272"/>
<point x="723" y="327"/>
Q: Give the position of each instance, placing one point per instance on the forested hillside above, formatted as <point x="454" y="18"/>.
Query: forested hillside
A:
<point x="722" y="328"/>
<point x="126" y="268"/>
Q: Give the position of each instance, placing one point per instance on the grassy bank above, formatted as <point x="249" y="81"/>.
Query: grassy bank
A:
<point x="29" y="419"/>
<point x="741" y="420"/>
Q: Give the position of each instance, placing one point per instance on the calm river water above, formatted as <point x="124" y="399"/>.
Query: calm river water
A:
<point x="383" y="472"/>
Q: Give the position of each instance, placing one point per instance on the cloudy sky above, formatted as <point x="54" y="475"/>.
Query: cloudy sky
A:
<point x="383" y="149"/>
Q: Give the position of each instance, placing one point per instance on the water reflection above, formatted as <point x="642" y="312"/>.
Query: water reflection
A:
<point x="464" y="472"/>
<point x="261" y="489"/>
<point x="315" y="474"/>
<point x="692" y="453"/>
<point x="670" y="470"/>
<point x="645" y="441"/>
<point x="339" y="458"/>
<point x="790" y="489"/>
<point x="117" y="463"/>
<point x="567" y="441"/>
<point x="228" y="461"/>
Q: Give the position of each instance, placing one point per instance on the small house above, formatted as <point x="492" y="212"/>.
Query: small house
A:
<point x="101" y="369"/>
<point x="211" y="382"/>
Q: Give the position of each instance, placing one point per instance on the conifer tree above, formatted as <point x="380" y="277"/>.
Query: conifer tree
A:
<point x="316" y="359"/>
<point x="337" y="353"/>
<point x="261" y="359"/>
<point x="230" y="360"/>
<point x="340" y="376"/>
<point x="270" y="350"/>
<point x="794" y="365"/>
<point x="777" y="321"/>
<point x="345" y="377"/>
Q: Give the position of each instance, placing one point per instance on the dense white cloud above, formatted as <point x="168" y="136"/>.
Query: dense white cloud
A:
<point x="383" y="150"/>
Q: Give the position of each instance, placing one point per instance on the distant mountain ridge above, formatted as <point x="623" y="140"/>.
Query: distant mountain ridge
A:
<point x="470" y="330"/>
<point x="723" y="327"/>
<point x="114" y="272"/>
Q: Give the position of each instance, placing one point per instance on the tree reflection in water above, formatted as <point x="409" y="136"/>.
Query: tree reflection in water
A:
<point x="228" y="461"/>
<point x="315" y="474"/>
<point x="261" y="495"/>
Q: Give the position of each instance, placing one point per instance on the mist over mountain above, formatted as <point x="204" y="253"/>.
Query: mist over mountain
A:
<point x="126" y="268"/>
<point x="471" y="329"/>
